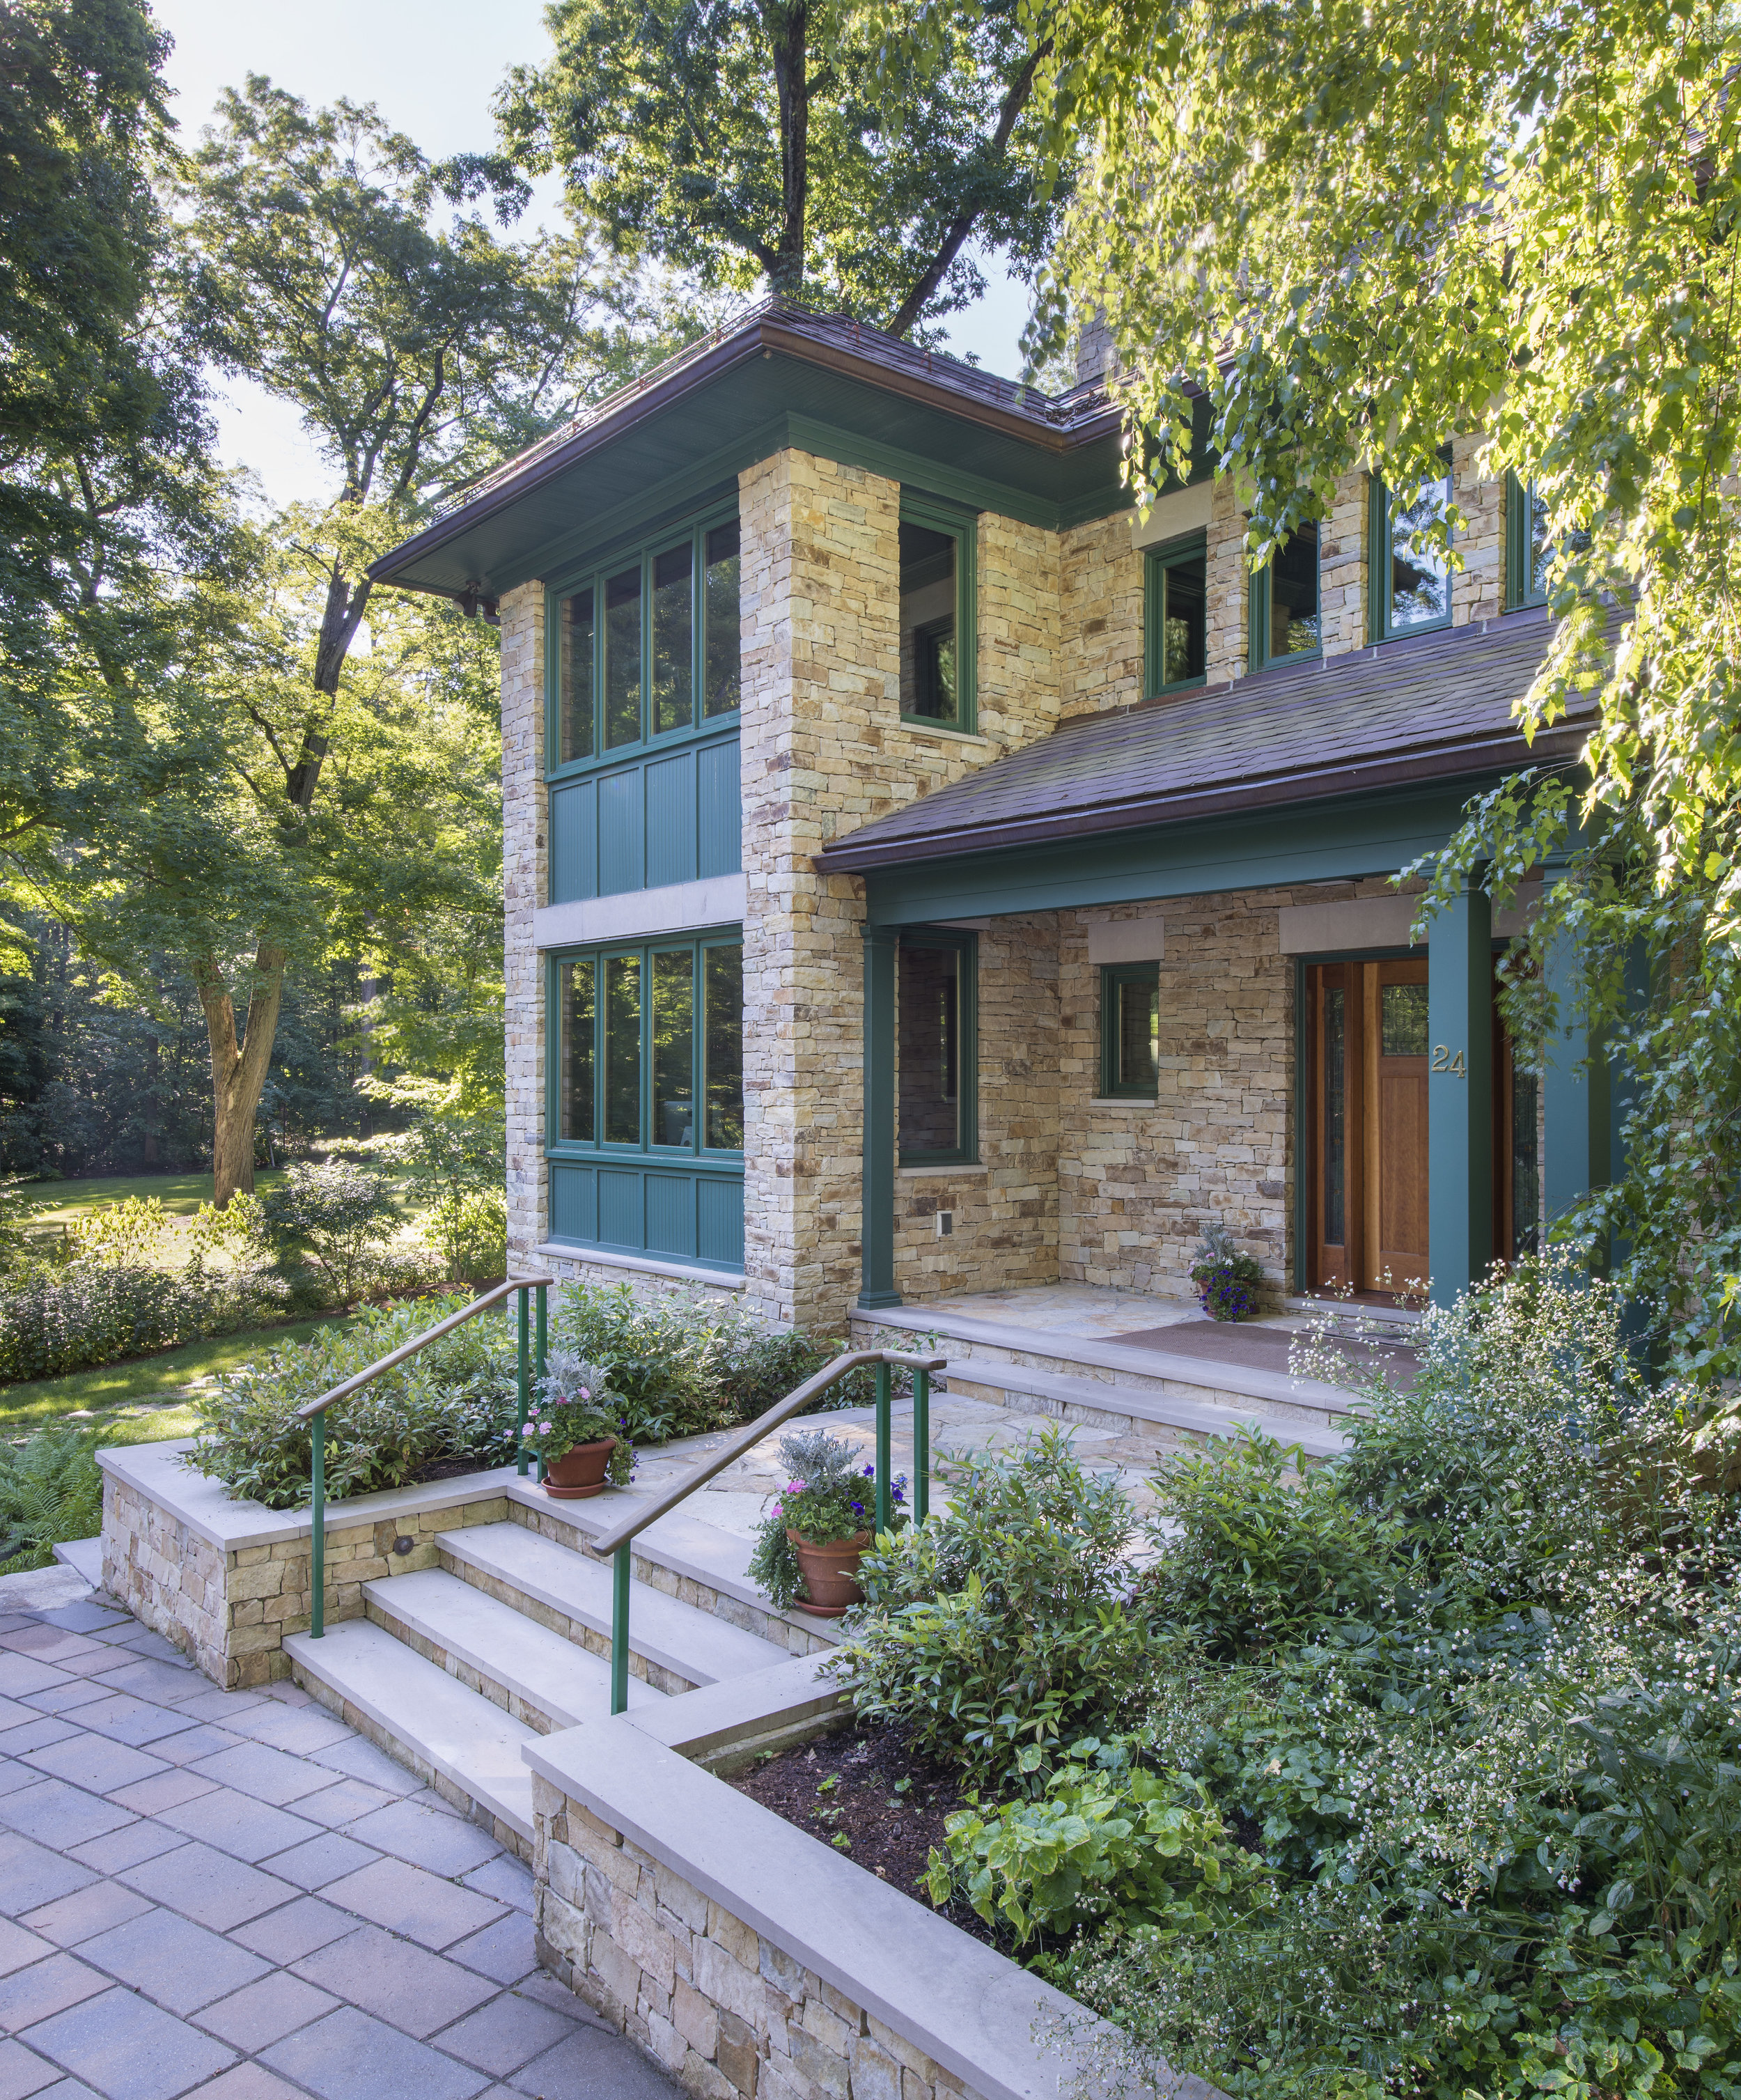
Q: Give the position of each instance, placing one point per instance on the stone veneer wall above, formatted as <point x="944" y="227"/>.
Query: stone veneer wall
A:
<point x="729" y="2014"/>
<point x="231" y="1610"/>
<point x="526" y="862"/>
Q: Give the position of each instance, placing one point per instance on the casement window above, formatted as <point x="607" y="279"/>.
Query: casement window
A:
<point x="936" y="1010"/>
<point x="1285" y="617"/>
<point x="1528" y="550"/>
<point x="650" y="1054"/>
<point x="1410" y="589"/>
<point x="1175" y="628"/>
<point x="647" y="645"/>
<point x="939" y="615"/>
<point x="1129" y="1030"/>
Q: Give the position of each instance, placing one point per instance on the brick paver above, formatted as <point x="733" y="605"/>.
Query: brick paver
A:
<point x="232" y="1895"/>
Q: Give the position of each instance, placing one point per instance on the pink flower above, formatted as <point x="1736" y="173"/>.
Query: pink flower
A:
<point x="584" y="1393"/>
<point x="543" y="1428"/>
<point x="529" y="1430"/>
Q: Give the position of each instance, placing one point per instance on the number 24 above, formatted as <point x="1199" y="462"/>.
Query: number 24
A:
<point x="1443" y="1062"/>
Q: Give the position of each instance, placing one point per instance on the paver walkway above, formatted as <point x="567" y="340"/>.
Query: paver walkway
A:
<point x="232" y="1894"/>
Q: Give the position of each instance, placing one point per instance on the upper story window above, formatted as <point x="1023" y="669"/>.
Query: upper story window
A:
<point x="938" y="615"/>
<point x="1175" y="626"/>
<point x="647" y="646"/>
<point x="1411" y="589"/>
<point x="1285" y="617"/>
<point x="936" y="1114"/>
<point x="1528" y="550"/>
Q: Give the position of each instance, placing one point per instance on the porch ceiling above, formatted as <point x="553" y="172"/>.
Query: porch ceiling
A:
<point x="1406" y="714"/>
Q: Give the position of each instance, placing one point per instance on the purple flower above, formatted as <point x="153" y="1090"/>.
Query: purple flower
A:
<point x="585" y="1393"/>
<point x="869" y="1473"/>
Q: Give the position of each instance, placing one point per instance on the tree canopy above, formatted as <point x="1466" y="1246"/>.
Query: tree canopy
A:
<point x="1364" y="225"/>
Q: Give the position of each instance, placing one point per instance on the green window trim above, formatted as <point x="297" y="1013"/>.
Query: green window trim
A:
<point x="961" y="1055"/>
<point x="962" y="526"/>
<point x="593" y="1079"/>
<point x="1118" y="982"/>
<point x="1522" y="588"/>
<point x="1184" y="554"/>
<point x="1379" y="501"/>
<point x="1259" y="600"/>
<point x="626" y="595"/>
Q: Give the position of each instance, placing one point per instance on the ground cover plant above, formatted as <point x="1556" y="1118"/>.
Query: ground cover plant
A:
<point x="1414" y="1774"/>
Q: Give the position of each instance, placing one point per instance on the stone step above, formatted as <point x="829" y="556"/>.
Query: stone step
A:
<point x="84" y="1556"/>
<point x="512" y="1562"/>
<point x="417" y="1712"/>
<point x="541" y="1678"/>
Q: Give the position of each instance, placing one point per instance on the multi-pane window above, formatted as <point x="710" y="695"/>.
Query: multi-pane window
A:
<point x="652" y="1049"/>
<point x="935" y="1034"/>
<point x="1285" y="619"/>
<point x="1528" y="550"/>
<point x="1129" y="1028"/>
<point x="937" y="615"/>
<point x="649" y="646"/>
<point x="1411" y="580"/>
<point x="1175" y="609"/>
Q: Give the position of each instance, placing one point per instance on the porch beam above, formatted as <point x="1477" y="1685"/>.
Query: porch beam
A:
<point x="1460" y="1092"/>
<point x="877" y="1290"/>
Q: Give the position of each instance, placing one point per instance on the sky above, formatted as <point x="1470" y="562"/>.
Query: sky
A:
<point x="432" y="66"/>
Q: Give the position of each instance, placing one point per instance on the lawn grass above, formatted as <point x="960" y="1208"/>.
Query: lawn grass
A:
<point x="63" y="1202"/>
<point x="139" y="1382"/>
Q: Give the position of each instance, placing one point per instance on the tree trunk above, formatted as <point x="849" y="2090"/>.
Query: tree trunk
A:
<point x="239" y="1069"/>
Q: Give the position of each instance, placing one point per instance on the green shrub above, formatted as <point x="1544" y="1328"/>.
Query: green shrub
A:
<point x="329" y="1225"/>
<point x="50" y="1490"/>
<point x="656" y="1351"/>
<point x="456" y="1398"/>
<point x="55" y="1321"/>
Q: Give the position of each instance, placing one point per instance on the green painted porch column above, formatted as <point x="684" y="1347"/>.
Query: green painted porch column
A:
<point x="1577" y="1109"/>
<point x="1460" y="1093"/>
<point x="877" y="1232"/>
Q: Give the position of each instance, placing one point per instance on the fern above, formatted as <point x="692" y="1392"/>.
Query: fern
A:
<point x="51" y="1492"/>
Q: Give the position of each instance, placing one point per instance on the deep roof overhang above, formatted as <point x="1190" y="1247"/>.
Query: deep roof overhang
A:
<point x="781" y="377"/>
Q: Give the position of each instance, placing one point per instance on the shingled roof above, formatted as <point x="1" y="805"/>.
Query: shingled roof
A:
<point x="1428" y="708"/>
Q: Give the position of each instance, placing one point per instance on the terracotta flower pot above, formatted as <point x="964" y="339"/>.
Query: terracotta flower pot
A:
<point x="831" y="1573"/>
<point x="580" y="1471"/>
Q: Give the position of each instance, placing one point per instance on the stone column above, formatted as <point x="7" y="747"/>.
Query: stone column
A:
<point x="1460" y="1093"/>
<point x="525" y="874"/>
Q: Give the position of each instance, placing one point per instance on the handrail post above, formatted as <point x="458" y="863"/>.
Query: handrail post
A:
<point x="519" y="1456"/>
<point x="541" y="1347"/>
<point x="921" y="1445"/>
<point x="317" y="1536"/>
<point x="884" y="1457"/>
<point x="621" y="1570"/>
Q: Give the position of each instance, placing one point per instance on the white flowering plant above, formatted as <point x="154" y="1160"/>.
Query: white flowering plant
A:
<point x="576" y="1403"/>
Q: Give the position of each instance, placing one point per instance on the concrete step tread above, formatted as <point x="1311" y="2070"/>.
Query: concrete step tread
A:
<point x="1168" y="1411"/>
<point x="691" y="1644"/>
<point x="555" y="1674"/>
<point x="471" y="1743"/>
<point x="84" y="1556"/>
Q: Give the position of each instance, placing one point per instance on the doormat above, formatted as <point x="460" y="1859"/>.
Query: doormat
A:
<point x="1265" y="1348"/>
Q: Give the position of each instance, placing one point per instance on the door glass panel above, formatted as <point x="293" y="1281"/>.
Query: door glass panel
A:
<point x="576" y="629"/>
<point x="1403" y="1020"/>
<point x="674" y="1048"/>
<point x="673" y="640"/>
<point x="1183" y="629"/>
<point x="622" y="1050"/>
<point x="723" y="992"/>
<point x="623" y="660"/>
<point x="1540" y="546"/>
<point x="1336" y="1117"/>
<point x="929" y="686"/>
<point x="1138" y="1036"/>
<point x="1420" y="582"/>
<point x="576" y="1085"/>
<point x="929" y="1105"/>
<point x="721" y="672"/>
<point x="1294" y="594"/>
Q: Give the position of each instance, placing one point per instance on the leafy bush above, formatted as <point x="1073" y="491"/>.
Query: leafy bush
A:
<point x="331" y="1221"/>
<point x="123" y="1235"/>
<point x="50" y="1491"/>
<point x="456" y="1162"/>
<point x="55" y="1321"/>
<point x="994" y="1630"/>
<point x="456" y="1398"/>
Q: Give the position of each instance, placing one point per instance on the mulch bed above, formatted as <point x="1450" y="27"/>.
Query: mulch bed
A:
<point x="877" y="1801"/>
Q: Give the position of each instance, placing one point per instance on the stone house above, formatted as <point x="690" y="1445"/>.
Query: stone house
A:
<point x="926" y="876"/>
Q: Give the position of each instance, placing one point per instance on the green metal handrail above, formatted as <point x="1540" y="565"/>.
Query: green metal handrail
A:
<point x="315" y="1414"/>
<point x="617" y="1543"/>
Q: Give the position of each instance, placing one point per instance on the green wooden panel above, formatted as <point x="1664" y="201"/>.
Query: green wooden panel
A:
<point x="573" y="1203"/>
<point x="661" y="816"/>
<point x="670" y="1216"/>
<point x="574" y="841"/>
<point x="671" y="819"/>
<point x="635" y="1210"/>
<point x="719" y="1220"/>
<point x="719" y="809"/>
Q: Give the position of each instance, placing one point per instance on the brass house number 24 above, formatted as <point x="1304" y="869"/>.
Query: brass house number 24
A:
<point x="1443" y="1060"/>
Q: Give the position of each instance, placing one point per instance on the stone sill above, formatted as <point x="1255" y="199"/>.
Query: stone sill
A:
<point x="724" y="1279"/>
<point x="1121" y="1101"/>
<point x="938" y="1173"/>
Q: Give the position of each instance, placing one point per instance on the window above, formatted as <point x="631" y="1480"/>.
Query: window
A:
<point x="1528" y="550"/>
<point x="938" y="615"/>
<point x="1129" y="1028"/>
<point x="649" y="646"/>
<point x="935" y="985"/>
<point x="646" y="1033"/>
<point x="1175" y="606"/>
<point x="1411" y="589"/>
<point x="1284" y="610"/>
